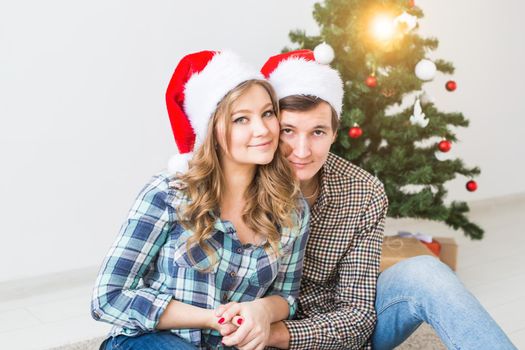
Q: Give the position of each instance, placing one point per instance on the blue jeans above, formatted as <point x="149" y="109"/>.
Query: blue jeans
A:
<point x="423" y="289"/>
<point x="150" y="341"/>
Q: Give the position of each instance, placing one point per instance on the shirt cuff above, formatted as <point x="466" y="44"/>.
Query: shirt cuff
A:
<point x="162" y="303"/>
<point x="303" y="334"/>
<point x="292" y="303"/>
<point x="148" y="312"/>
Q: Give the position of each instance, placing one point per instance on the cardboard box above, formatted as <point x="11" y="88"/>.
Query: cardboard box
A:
<point x="396" y="249"/>
<point x="449" y="251"/>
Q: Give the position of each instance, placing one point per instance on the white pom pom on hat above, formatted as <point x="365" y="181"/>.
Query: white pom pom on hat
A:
<point x="179" y="163"/>
<point x="324" y="53"/>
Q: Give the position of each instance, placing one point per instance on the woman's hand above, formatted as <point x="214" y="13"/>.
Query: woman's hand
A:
<point x="253" y="321"/>
<point x="226" y="328"/>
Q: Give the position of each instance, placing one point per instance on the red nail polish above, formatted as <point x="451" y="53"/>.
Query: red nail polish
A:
<point x="221" y="320"/>
<point x="239" y="321"/>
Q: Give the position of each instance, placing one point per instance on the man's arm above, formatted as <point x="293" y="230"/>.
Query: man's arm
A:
<point x="350" y="326"/>
<point x="279" y="336"/>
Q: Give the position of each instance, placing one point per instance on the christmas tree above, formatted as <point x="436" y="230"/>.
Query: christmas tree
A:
<point x="382" y="60"/>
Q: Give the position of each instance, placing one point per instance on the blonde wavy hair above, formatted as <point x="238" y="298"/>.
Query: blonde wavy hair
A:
<point x="271" y="198"/>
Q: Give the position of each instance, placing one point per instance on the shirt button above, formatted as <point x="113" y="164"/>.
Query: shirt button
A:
<point x="225" y="297"/>
<point x="233" y="274"/>
<point x="239" y="250"/>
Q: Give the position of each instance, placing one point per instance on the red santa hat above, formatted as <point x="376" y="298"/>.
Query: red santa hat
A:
<point x="199" y="83"/>
<point x="306" y="72"/>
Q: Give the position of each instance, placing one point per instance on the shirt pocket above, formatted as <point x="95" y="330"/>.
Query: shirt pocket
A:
<point x="268" y="266"/>
<point x="193" y="256"/>
<point x="266" y="269"/>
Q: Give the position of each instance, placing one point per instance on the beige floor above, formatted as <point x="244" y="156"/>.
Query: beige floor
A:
<point x="493" y="269"/>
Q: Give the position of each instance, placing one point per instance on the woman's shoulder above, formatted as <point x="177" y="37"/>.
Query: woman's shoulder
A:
<point x="300" y="219"/>
<point x="166" y="187"/>
<point x="302" y="209"/>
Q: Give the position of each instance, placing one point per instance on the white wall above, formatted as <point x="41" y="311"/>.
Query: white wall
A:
<point x="83" y="122"/>
<point x="484" y="40"/>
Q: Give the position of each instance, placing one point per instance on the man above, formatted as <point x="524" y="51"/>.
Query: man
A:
<point x="348" y="207"/>
<point x="338" y="304"/>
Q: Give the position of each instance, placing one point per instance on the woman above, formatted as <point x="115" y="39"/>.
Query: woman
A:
<point x="230" y="228"/>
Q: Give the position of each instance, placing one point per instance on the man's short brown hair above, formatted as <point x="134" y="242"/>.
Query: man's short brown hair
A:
<point x="305" y="103"/>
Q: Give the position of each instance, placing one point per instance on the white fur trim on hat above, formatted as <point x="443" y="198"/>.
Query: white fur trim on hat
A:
<point x="206" y="89"/>
<point x="298" y="76"/>
<point x="178" y="163"/>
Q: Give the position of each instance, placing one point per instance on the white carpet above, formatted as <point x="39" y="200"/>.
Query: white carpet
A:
<point x="423" y="338"/>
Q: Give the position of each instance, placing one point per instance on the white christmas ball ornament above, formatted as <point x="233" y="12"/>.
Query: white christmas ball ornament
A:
<point x="323" y="53"/>
<point x="441" y="156"/>
<point x="408" y="20"/>
<point x="425" y="70"/>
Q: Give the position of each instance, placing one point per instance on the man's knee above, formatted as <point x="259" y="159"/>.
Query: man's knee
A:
<point x="423" y="264"/>
<point x="423" y="273"/>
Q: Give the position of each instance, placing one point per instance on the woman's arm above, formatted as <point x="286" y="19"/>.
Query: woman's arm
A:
<point x="176" y="316"/>
<point x="118" y="297"/>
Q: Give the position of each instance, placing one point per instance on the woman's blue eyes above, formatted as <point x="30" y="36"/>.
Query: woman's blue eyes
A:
<point x="269" y="113"/>
<point x="240" y="120"/>
<point x="243" y="120"/>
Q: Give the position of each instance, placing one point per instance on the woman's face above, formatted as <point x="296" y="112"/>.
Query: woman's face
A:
<point x="254" y="130"/>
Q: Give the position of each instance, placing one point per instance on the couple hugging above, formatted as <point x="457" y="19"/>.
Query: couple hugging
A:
<point x="257" y="236"/>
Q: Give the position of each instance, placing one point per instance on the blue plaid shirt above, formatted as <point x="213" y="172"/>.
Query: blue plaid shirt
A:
<point x="149" y="265"/>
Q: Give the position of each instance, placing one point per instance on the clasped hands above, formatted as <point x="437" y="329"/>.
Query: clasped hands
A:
<point x="244" y="325"/>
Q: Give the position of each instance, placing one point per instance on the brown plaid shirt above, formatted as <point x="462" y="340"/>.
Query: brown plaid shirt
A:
<point x="341" y="264"/>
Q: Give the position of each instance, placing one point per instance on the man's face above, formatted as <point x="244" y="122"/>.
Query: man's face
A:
<point x="309" y="135"/>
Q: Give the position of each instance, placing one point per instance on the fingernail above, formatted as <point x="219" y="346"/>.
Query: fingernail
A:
<point x="239" y="321"/>
<point x="221" y="320"/>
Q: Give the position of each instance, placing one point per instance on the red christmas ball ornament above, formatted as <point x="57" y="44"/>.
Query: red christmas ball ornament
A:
<point x="371" y="81"/>
<point x="451" y="85"/>
<point x="471" y="186"/>
<point x="355" y="132"/>
<point x="444" y="146"/>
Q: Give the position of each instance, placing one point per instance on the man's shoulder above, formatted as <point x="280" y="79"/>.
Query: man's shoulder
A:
<point x="341" y="170"/>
